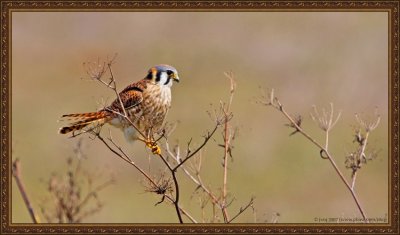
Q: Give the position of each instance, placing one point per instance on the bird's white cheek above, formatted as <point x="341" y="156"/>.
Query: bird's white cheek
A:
<point x="163" y="78"/>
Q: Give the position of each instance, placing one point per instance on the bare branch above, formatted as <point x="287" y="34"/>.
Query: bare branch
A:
<point x="16" y="172"/>
<point x="356" y="159"/>
<point x="97" y="75"/>
<point x="91" y="194"/>
<point x="243" y="209"/>
<point x="206" y="139"/>
<point x="125" y="157"/>
<point x="177" y="195"/>
<point x="273" y="101"/>
<point x="227" y="140"/>
<point x="96" y="71"/>
<point x="70" y="204"/>
<point x="326" y="120"/>
<point x="222" y="116"/>
<point x="369" y="125"/>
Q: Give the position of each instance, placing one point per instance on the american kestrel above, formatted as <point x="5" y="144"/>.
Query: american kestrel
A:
<point x="146" y="103"/>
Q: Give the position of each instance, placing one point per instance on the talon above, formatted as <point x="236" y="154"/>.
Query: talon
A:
<point x="155" y="149"/>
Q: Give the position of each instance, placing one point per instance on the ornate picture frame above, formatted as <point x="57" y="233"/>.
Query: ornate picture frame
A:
<point x="8" y="7"/>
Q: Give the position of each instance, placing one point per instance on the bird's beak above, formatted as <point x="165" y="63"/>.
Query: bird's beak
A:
<point x="176" y="78"/>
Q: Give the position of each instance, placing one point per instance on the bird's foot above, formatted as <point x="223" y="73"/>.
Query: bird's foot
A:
<point x="151" y="144"/>
<point x="155" y="149"/>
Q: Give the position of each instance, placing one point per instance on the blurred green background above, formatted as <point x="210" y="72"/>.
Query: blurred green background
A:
<point x="308" y="57"/>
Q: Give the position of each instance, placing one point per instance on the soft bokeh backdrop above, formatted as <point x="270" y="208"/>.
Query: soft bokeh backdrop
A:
<point x="308" y="57"/>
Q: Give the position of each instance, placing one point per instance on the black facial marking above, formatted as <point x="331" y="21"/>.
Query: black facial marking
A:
<point x="149" y="75"/>
<point x="166" y="82"/>
<point x="158" y="76"/>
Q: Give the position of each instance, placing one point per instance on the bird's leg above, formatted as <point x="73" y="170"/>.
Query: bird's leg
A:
<point x="151" y="144"/>
<point x="155" y="149"/>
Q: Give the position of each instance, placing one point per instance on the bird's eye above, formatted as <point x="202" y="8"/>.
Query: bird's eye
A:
<point x="170" y="72"/>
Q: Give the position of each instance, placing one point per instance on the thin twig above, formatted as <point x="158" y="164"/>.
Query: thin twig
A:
<point x="361" y="155"/>
<point x="340" y="174"/>
<point x="227" y="138"/>
<point x="197" y="181"/>
<point x="97" y="73"/>
<point x="173" y="173"/>
<point x="353" y="179"/>
<point x="16" y="172"/>
<point x="325" y="122"/>
<point x="242" y="209"/>
<point x="274" y="102"/>
<point x="206" y="139"/>
<point x="125" y="157"/>
<point x="92" y="193"/>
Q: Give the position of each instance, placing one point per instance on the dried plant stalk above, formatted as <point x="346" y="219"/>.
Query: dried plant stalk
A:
<point x="326" y="120"/>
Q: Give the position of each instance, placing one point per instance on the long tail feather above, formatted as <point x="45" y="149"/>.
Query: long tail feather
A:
<point x="77" y="116"/>
<point x="85" y="119"/>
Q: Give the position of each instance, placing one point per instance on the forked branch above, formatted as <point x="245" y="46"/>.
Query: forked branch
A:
<point x="326" y="122"/>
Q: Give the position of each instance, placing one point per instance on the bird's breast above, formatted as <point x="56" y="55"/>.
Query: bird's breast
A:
<point x="150" y="114"/>
<point x="157" y="95"/>
<point x="155" y="105"/>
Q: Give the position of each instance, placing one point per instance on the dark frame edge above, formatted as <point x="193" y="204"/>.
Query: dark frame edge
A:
<point x="8" y="6"/>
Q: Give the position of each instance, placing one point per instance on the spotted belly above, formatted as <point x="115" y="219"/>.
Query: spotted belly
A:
<point x="147" y="116"/>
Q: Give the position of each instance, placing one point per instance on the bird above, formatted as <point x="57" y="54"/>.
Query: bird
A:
<point x="146" y="103"/>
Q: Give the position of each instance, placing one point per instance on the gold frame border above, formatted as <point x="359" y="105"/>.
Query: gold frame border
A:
<point x="7" y="7"/>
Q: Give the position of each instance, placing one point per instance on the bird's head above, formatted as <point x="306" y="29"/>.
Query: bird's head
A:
<point x="163" y="75"/>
